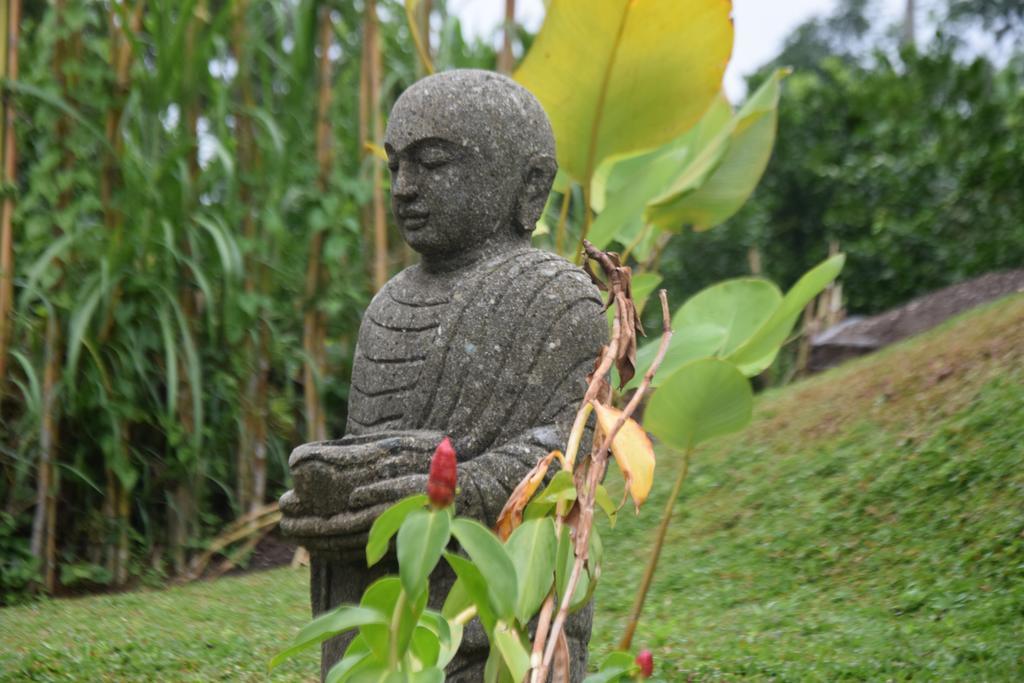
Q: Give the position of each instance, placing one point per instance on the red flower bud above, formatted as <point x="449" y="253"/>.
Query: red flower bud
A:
<point x="645" y="660"/>
<point x="441" y="482"/>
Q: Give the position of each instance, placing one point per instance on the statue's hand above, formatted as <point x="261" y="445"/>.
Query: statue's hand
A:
<point x="341" y="486"/>
<point x="390" y="491"/>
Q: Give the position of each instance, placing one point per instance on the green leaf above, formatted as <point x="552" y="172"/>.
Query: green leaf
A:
<point x="613" y="668"/>
<point x="469" y="589"/>
<point x="421" y="539"/>
<point x="713" y="322"/>
<point x="605" y="502"/>
<point x="619" y="75"/>
<point x="725" y="173"/>
<point x="80" y="319"/>
<point x="513" y="652"/>
<point x="495" y="669"/>
<point x="328" y="625"/>
<point x="610" y="675"/>
<point x="490" y="557"/>
<point x="758" y="352"/>
<point x="385" y="595"/>
<point x="533" y="546"/>
<point x="449" y="636"/>
<point x="342" y="670"/>
<point x="703" y="399"/>
<point x="385" y="526"/>
<point x="425" y="646"/>
<point x="561" y="488"/>
<point x="563" y="570"/>
<point x="642" y="286"/>
<point x="624" y="185"/>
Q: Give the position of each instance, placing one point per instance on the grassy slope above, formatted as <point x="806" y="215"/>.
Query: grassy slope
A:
<point x="869" y="525"/>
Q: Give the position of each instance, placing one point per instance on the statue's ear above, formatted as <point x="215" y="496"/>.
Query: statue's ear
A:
<point x="537" y="180"/>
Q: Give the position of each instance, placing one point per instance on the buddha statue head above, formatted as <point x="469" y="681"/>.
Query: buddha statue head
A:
<point x="472" y="159"/>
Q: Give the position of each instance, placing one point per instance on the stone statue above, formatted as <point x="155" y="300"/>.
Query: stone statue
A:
<point x="487" y="340"/>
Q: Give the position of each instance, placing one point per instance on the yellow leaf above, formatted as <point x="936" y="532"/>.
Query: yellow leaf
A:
<point x="625" y="75"/>
<point x="376" y="150"/>
<point x="632" y="449"/>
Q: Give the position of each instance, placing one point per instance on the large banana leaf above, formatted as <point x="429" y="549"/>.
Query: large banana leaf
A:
<point x="623" y="185"/>
<point x="723" y="174"/>
<point x="618" y="75"/>
<point x="759" y="350"/>
<point x="701" y="400"/>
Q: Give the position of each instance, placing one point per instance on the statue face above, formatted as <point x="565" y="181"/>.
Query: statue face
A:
<point x="447" y="197"/>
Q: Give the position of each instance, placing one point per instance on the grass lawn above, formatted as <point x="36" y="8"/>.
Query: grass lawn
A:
<point x="225" y="630"/>
<point x="868" y="526"/>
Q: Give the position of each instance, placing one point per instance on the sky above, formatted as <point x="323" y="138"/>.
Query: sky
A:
<point x="761" y="27"/>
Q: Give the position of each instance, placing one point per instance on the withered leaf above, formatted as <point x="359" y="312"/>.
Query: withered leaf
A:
<point x="512" y="514"/>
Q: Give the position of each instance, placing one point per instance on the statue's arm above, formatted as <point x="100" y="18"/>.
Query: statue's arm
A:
<point x="484" y="482"/>
<point x="542" y="401"/>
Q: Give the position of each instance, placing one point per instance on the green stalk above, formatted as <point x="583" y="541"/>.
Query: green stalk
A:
<point x="652" y="563"/>
<point x="396" y="617"/>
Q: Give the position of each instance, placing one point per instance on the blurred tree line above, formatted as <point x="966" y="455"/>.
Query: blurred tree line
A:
<point x="910" y="157"/>
<point x="195" y="233"/>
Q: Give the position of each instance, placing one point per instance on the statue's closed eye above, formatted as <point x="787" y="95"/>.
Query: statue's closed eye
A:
<point x="434" y="157"/>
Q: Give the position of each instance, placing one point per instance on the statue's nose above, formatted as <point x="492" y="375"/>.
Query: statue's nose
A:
<point x="403" y="185"/>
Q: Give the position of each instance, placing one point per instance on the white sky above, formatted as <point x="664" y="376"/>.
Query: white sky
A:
<point x="761" y="26"/>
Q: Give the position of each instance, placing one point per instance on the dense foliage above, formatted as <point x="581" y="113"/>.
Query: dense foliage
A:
<point x="911" y="161"/>
<point x="193" y="241"/>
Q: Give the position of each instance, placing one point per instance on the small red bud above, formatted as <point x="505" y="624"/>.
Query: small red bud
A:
<point x="645" y="660"/>
<point x="441" y="482"/>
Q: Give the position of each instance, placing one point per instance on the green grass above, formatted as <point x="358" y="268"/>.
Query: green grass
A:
<point x="224" y="630"/>
<point x="869" y="525"/>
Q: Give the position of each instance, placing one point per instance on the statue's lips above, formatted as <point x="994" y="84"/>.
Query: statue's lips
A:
<point x="413" y="220"/>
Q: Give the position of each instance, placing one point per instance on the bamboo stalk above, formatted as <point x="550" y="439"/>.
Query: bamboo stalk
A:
<point x="313" y="332"/>
<point x="44" y="523"/>
<point x="505" y="59"/>
<point x="423" y="21"/>
<point x="12" y="22"/>
<point x="380" y="227"/>
<point x="181" y="519"/>
<point x="252" y="443"/>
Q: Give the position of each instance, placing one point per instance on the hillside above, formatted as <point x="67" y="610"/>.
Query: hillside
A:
<point x="869" y="525"/>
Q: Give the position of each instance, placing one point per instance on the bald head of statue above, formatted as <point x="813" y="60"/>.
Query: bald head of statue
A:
<point x="472" y="159"/>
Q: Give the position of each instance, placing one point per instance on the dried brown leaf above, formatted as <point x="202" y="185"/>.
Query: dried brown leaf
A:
<point x="512" y="514"/>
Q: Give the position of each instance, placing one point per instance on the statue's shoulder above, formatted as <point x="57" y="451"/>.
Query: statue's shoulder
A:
<point x="409" y="289"/>
<point x="539" y="269"/>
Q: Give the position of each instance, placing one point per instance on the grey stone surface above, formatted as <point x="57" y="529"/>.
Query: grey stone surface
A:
<point x="487" y="341"/>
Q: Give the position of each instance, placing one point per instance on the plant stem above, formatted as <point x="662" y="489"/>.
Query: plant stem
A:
<point x="652" y="563"/>
<point x="393" y="640"/>
<point x="563" y="216"/>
